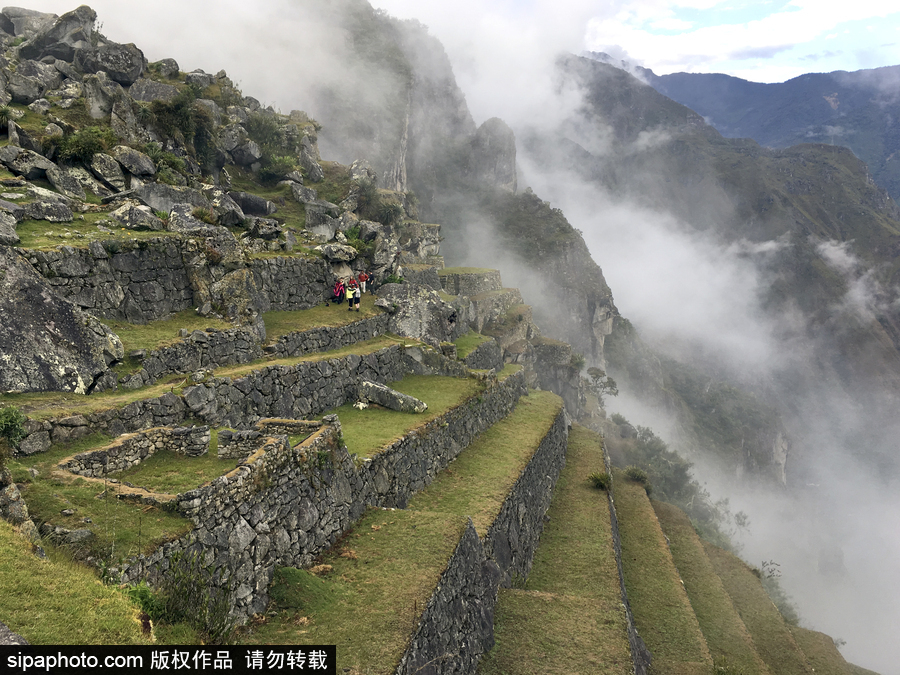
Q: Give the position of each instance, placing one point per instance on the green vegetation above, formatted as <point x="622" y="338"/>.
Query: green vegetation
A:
<point x="164" y="332"/>
<point x="725" y="633"/>
<point x="120" y="528"/>
<point x="43" y="235"/>
<point x="662" y="611"/>
<point x="12" y="431"/>
<point x="478" y="481"/>
<point x="570" y="618"/>
<point x="280" y="323"/>
<point x="771" y="635"/>
<point x="447" y="271"/>
<point x="468" y="343"/>
<point x="823" y="655"/>
<point x="368" y="431"/>
<point x="600" y="480"/>
<point x="173" y="473"/>
<point x="57" y="601"/>
<point x="382" y="574"/>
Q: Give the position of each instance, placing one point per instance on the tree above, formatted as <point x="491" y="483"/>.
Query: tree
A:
<point x="602" y="384"/>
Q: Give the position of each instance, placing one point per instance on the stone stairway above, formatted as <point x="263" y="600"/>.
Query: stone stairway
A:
<point x="415" y="588"/>
<point x="568" y="618"/>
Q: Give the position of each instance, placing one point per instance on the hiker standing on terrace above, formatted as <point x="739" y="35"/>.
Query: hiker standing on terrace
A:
<point x="363" y="278"/>
<point x="338" y="291"/>
<point x="352" y="287"/>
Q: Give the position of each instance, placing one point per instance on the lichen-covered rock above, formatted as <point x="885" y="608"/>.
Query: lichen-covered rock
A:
<point x="199" y="78"/>
<point x="31" y="79"/>
<point x="47" y="343"/>
<point x="8" y="236"/>
<point x="25" y="22"/>
<point x="228" y="212"/>
<point x="252" y="204"/>
<point x="7" y="637"/>
<point x="66" y="183"/>
<point x="30" y="165"/>
<point x="151" y="90"/>
<point x="134" y="161"/>
<point x="137" y="218"/>
<point x="18" y="136"/>
<point x="309" y="160"/>
<point x="123" y="63"/>
<point x="61" y="39"/>
<point x="373" y="392"/>
<point x="417" y="312"/>
<point x="100" y="94"/>
<point x="246" y="153"/>
<point x="167" y="68"/>
<point x="161" y="197"/>
<point x="107" y="169"/>
<point x="337" y="252"/>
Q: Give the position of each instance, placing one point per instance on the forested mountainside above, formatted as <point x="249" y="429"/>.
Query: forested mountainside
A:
<point x="855" y="110"/>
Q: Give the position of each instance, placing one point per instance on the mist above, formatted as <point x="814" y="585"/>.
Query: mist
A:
<point x="835" y="529"/>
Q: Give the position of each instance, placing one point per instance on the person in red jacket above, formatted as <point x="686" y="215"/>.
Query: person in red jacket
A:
<point x="363" y="278"/>
<point x="339" y="291"/>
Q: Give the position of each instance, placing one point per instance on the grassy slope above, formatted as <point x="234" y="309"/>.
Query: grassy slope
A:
<point x="387" y="566"/>
<point x="368" y="431"/>
<point x="662" y="611"/>
<point x="478" y="481"/>
<point x="770" y="633"/>
<point x="725" y="633"/>
<point x="570" y="620"/>
<point x="823" y="656"/>
<point x="55" y="601"/>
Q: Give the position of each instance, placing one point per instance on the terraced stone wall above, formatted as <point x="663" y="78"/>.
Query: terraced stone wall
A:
<point x="289" y="283"/>
<point x="457" y="626"/>
<point x="132" y="449"/>
<point x="139" y="283"/>
<point x="283" y="506"/>
<point x="323" y="339"/>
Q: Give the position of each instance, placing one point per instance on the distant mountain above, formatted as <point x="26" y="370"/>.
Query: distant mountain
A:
<point x="858" y="110"/>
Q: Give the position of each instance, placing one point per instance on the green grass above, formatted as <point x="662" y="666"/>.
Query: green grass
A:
<point x="279" y="324"/>
<point x="771" y="635"/>
<point x="468" y="343"/>
<point x="570" y="620"/>
<point x="509" y="369"/>
<point x="478" y="481"/>
<point x="164" y="332"/>
<point x="121" y="528"/>
<point x="725" y="633"/>
<point x="662" y="612"/>
<point x="43" y="235"/>
<point x="819" y="648"/>
<point x="172" y="473"/>
<point x="384" y="571"/>
<point x="59" y="602"/>
<point x="368" y="431"/>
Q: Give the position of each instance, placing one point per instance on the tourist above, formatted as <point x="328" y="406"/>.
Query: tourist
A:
<point x="363" y="278"/>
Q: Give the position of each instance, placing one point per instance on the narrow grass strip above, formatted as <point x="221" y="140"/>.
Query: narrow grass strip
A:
<point x="382" y="574"/>
<point x="771" y="635"/>
<point x="280" y="323"/>
<point x="477" y="482"/>
<point x="368" y="431"/>
<point x="821" y="652"/>
<point x="570" y="620"/>
<point x="662" y="613"/>
<point x="728" y="639"/>
<point x="59" y="602"/>
<point x="541" y="633"/>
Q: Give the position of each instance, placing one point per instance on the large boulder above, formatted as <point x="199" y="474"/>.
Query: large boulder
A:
<point x="123" y="63"/>
<point x="30" y="80"/>
<point x="137" y="218"/>
<point x="247" y="153"/>
<point x="135" y="161"/>
<point x="48" y="343"/>
<point x="107" y="169"/>
<point x="8" y="236"/>
<point x="228" y="212"/>
<point x="70" y="32"/>
<point x="25" y="22"/>
<point x="18" y="136"/>
<point x="309" y="160"/>
<point x="151" y="90"/>
<point x="66" y="183"/>
<point x="372" y="392"/>
<point x="162" y="197"/>
<point x="30" y="165"/>
<point x="417" y="312"/>
<point x="337" y="252"/>
<point x="101" y="94"/>
<point x="252" y="204"/>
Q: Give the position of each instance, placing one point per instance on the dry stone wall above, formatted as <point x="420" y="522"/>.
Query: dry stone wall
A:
<point x="132" y="449"/>
<point x="323" y="339"/>
<point x="142" y="282"/>
<point x="283" y="506"/>
<point x="457" y="626"/>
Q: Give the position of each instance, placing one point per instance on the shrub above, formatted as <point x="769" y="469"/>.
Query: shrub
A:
<point x="601" y="480"/>
<point x="82" y="145"/>
<point x="5" y="115"/>
<point x="275" y="168"/>
<point x="577" y="361"/>
<point x="618" y="419"/>
<point x="638" y="475"/>
<point x="144" y="597"/>
<point x="393" y="279"/>
<point x="205" y="215"/>
<point x="12" y="431"/>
